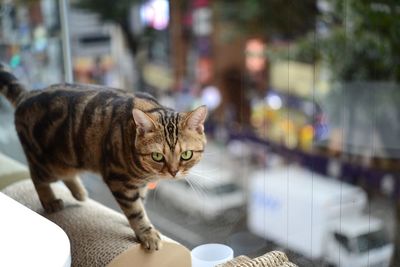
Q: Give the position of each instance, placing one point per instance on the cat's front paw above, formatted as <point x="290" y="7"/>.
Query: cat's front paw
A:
<point x="150" y="239"/>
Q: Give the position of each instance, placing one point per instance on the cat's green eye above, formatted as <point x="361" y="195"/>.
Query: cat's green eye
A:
<point x="157" y="156"/>
<point x="187" y="155"/>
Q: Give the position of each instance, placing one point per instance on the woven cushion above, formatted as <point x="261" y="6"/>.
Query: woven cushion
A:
<point x="97" y="233"/>
<point x="270" y="259"/>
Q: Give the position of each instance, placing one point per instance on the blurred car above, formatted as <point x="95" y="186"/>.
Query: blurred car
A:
<point x="209" y="196"/>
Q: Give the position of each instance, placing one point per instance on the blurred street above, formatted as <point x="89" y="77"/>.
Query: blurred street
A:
<point x="308" y="85"/>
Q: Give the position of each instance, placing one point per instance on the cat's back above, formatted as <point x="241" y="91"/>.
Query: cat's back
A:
<point x="65" y="120"/>
<point x="73" y="98"/>
<point x="59" y="93"/>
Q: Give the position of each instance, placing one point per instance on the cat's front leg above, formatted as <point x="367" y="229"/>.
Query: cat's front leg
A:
<point x="131" y="204"/>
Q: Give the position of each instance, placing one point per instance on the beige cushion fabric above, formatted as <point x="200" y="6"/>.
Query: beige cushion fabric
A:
<point x="11" y="171"/>
<point x="270" y="259"/>
<point x="97" y="233"/>
<point x="171" y="255"/>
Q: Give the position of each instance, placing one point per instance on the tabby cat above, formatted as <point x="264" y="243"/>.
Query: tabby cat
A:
<point x="129" y="139"/>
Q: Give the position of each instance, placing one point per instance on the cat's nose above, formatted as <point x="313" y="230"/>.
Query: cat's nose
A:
<point x="173" y="172"/>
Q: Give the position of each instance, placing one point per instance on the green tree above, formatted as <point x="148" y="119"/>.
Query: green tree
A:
<point x="363" y="40"/>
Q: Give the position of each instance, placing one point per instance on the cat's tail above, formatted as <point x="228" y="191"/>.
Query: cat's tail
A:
<point x="10" y="87"/>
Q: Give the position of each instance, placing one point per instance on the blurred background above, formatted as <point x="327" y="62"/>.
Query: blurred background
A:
<point x="304" y="113"/>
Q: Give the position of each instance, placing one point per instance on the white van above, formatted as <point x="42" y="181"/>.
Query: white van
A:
<point x="318" y="217"/>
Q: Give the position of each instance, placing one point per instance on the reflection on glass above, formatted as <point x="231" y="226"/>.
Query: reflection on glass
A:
<point x="224" y="189"/>
<point x="371" y="241"/>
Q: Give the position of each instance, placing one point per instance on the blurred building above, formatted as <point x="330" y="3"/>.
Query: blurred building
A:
<point x="98" y="50"/>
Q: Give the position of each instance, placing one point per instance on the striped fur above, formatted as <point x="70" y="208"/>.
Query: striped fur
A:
<point x="68" y="128"/>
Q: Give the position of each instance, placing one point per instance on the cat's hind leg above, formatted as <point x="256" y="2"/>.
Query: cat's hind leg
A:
<point x="76" y="187"/>
<point x="40" y="174"/>
<point x="42" y="178"/>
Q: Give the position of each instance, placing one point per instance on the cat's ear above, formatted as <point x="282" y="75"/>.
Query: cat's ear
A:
<point x="143" y="121"/>
<point x="195" y="119"/>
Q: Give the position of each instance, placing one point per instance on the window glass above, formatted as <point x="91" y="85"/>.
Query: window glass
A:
<point x="302" y="125"/>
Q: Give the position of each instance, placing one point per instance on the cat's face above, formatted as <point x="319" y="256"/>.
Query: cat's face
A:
<point x="169" y="144"/>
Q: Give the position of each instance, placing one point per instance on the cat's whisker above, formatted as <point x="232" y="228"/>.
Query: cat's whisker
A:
<point x="202" y="176"/>
<point x="208" y="174"/>
<point x="195" y="176"/>
<point x="208" y="170"/>
<point x="200" y="186"/>
<point x="192" y="185"/>
<point x="196" y="187"/>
